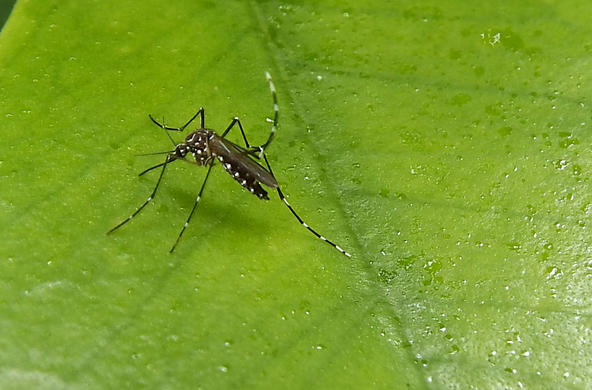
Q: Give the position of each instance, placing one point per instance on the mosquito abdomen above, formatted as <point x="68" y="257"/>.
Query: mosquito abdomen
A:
<point x="239" y="165"/>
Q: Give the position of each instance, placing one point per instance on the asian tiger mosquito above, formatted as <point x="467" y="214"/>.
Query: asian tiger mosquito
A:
<point x="206" y="146"/>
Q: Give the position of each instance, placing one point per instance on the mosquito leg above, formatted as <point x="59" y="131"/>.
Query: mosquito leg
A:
<point x="283" y="198"/>
<point x="193" y="209"/>
<point x="231" y="125"/>
<point x="152" y="195"/>
<point x="257" y="151"/>
<point x="235" y="121"/>
<point x="254" y="151"/>
<point x="276" y="113"/>
<point x="151" y="168"/>
<point x="200" y="113"/>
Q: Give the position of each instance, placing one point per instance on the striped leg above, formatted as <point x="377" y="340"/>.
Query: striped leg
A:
<point x="192" y="210"/>
<point x="152" y="195"/>
<point x="261" y="151"/>
<point x="276" y="113"/>
<point x="283" y="198"/>
<point x="257" y="151"/>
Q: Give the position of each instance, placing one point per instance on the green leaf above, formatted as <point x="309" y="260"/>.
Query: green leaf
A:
<point x="444" y="144"/>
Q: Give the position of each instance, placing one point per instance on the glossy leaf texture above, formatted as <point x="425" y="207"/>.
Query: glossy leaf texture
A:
<point x="445" y="144"/>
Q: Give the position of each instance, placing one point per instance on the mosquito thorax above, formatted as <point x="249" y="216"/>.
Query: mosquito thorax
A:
<point x="196" y="144"/>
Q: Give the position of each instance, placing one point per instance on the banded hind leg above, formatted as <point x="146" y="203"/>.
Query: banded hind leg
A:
<point x="280" y="193"/>
<point x="257" y="151"/>
<point x="283" y="199"/>
<point x="276" y="114"/>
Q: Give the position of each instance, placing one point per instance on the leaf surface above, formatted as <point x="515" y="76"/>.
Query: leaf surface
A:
<point x="444" y="144"/>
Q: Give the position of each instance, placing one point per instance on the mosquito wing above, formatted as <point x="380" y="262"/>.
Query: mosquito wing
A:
<point x="240" y="161"/>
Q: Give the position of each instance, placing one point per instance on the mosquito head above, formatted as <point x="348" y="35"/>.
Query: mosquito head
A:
<point x="181" y="150"/>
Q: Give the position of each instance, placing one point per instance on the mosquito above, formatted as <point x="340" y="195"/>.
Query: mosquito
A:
<point x="206" y="147"/>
